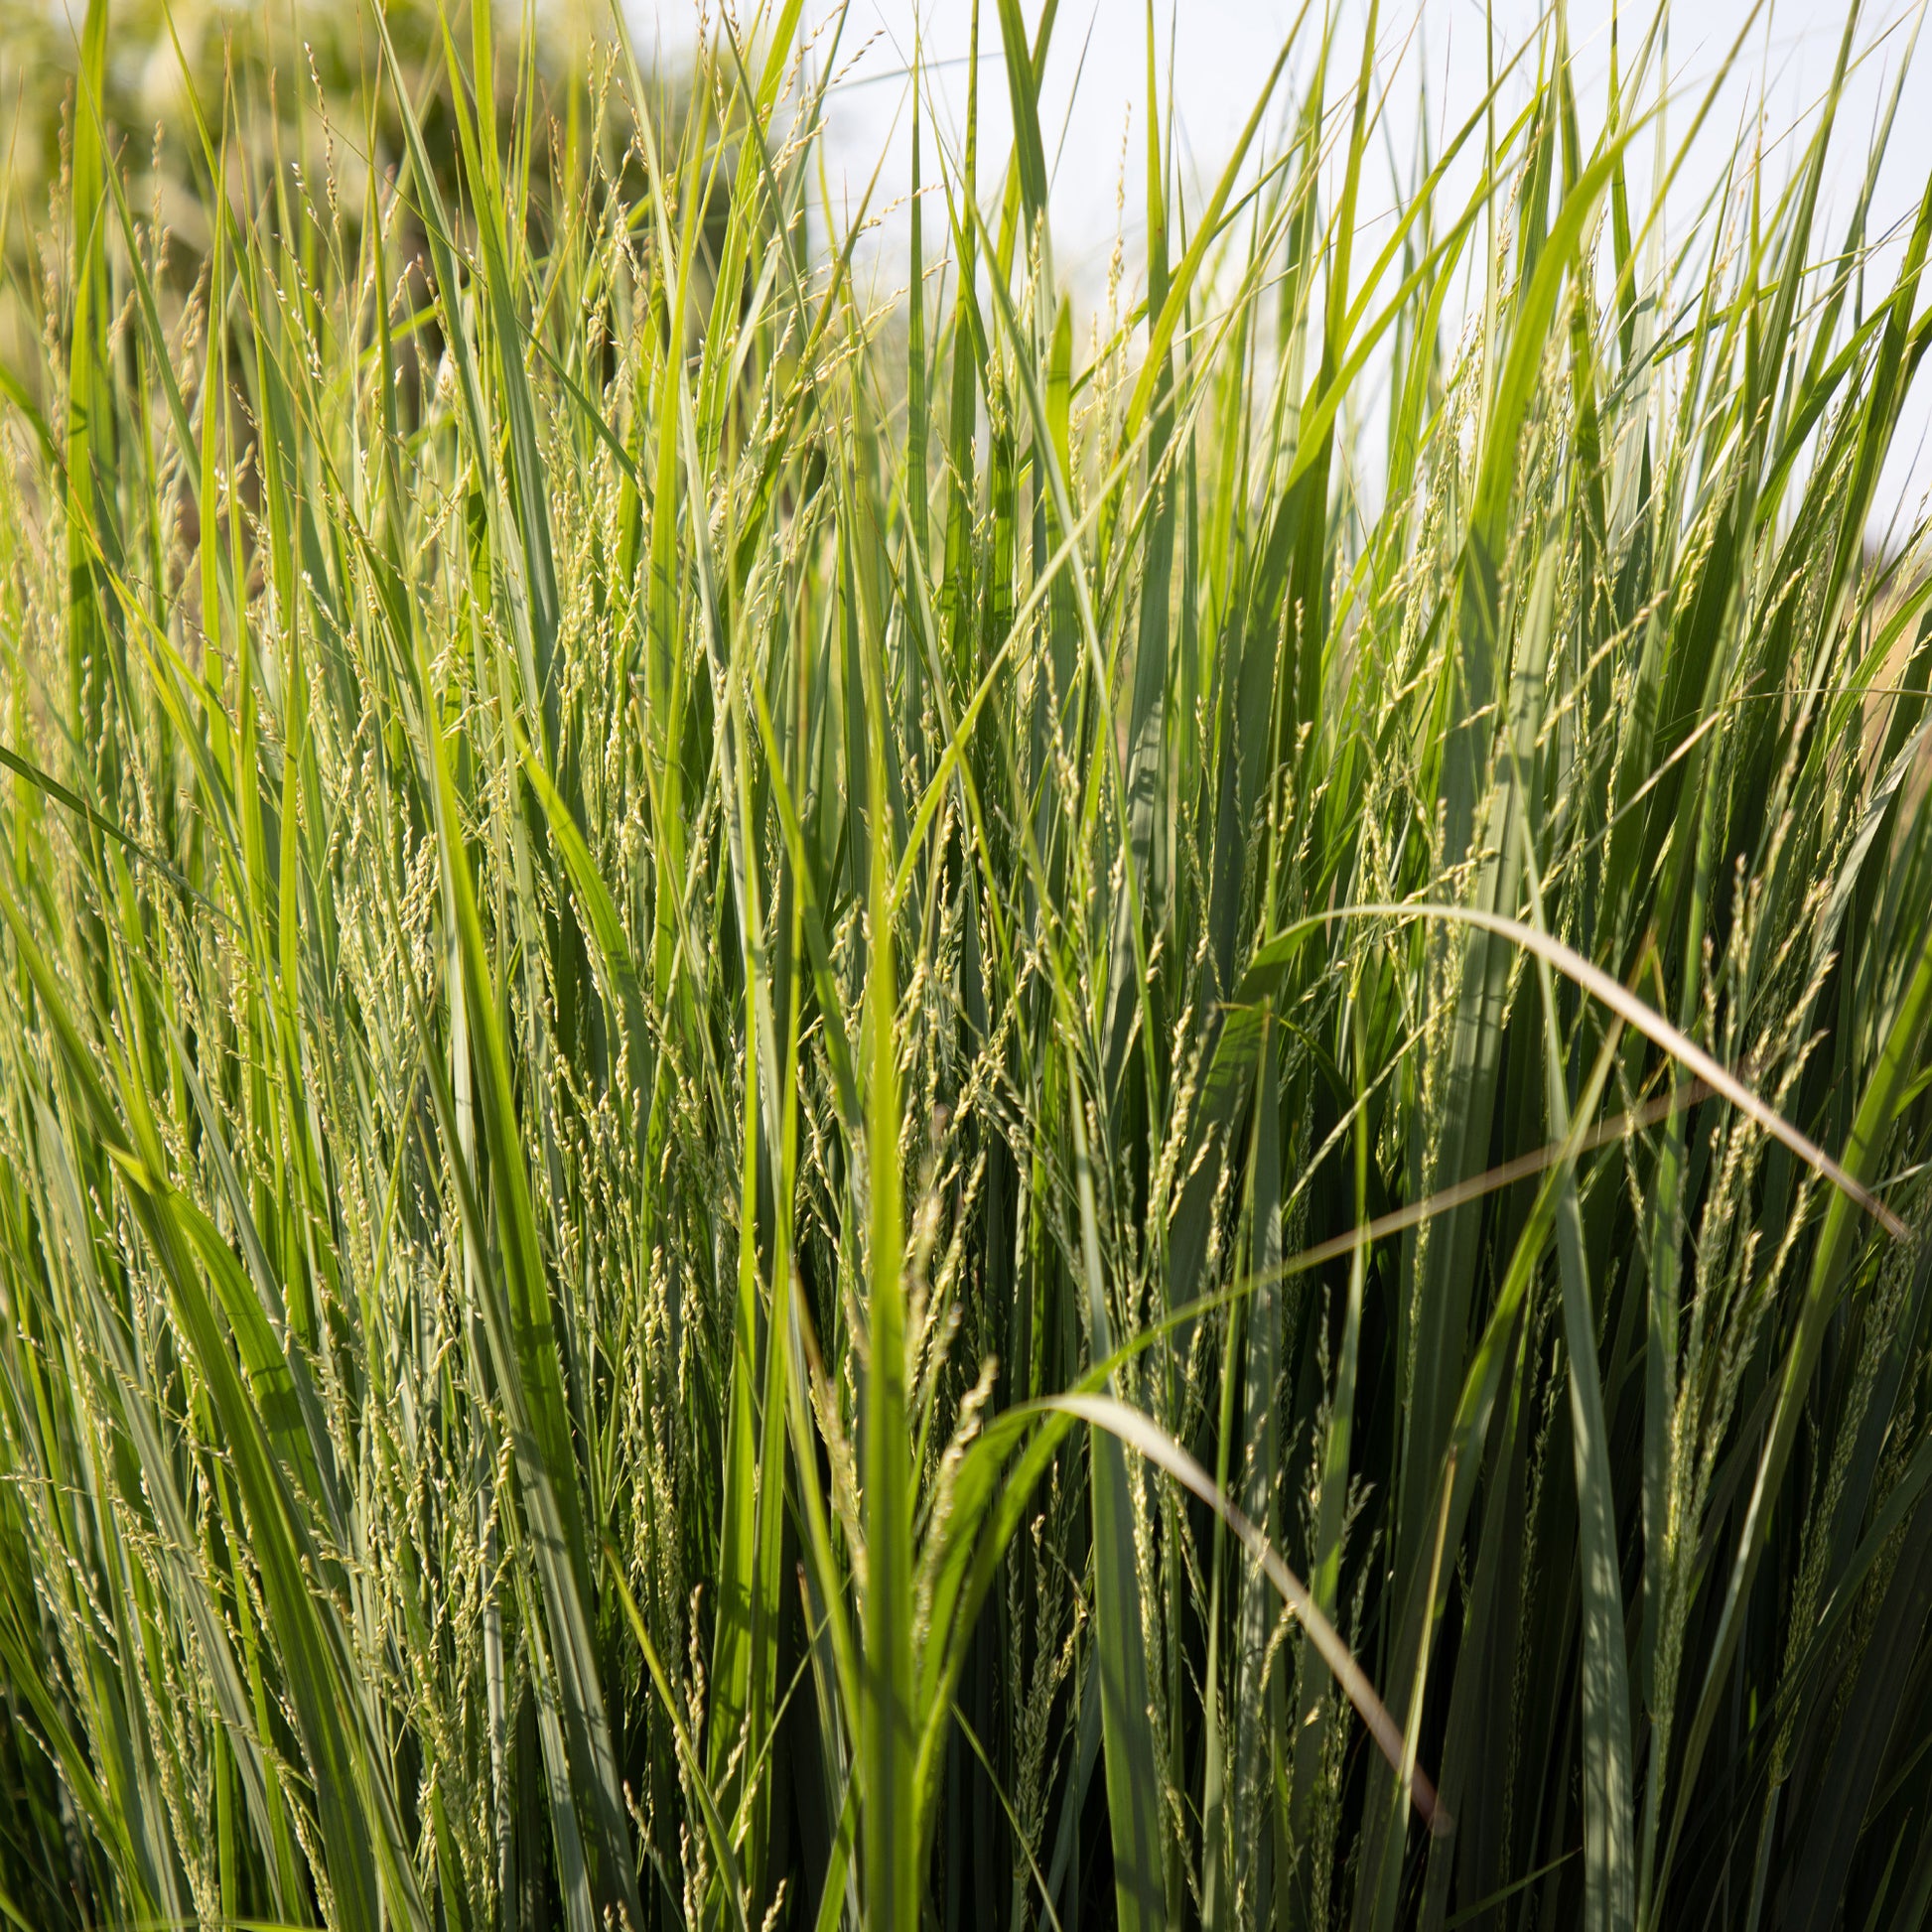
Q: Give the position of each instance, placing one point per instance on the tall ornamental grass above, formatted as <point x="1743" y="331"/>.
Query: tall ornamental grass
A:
<point x="823" y="1114"/>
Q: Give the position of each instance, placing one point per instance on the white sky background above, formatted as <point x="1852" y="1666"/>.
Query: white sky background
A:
<point x="1222" y="50"/>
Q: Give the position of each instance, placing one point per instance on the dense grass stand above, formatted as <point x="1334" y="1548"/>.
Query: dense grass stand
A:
<point x="826" y="1114"/>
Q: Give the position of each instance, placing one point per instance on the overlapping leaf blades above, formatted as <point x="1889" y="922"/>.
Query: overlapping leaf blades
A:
<point x="692" y="981"/>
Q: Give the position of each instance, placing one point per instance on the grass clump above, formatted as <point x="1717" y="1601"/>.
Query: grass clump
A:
<point x="802" y="1126"/>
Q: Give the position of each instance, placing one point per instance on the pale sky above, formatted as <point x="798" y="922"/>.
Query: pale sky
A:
<point x="1221" y="51"/>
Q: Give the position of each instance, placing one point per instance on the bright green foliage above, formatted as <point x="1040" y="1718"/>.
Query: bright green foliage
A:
<point x="832" y="1119"/>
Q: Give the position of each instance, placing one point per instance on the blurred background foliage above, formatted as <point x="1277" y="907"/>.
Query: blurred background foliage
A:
<point x="293" y="90"/>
